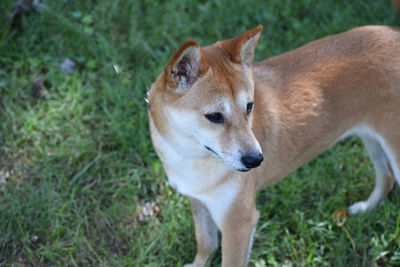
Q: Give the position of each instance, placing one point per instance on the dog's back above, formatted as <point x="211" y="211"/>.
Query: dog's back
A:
<point x="317" y="93"/>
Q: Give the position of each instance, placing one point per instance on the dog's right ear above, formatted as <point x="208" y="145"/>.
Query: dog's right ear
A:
<point x="185" y="67"/>
<point x="241" y="48"/>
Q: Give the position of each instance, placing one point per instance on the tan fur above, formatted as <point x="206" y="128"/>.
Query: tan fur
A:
<point x="304" y="101"/>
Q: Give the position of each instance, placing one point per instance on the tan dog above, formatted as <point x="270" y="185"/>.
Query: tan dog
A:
<point x="215" y="117"/>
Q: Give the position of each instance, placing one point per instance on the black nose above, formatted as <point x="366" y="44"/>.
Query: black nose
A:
<point x="252" y="160"/>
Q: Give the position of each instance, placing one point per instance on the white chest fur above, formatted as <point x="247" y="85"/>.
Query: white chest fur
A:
<point x="198" y="177"/>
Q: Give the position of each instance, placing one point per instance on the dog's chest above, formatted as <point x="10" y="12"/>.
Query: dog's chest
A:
<point x="203" y="181"/>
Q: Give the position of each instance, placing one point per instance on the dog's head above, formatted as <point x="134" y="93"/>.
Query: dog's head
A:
<point x="206" y="97"/>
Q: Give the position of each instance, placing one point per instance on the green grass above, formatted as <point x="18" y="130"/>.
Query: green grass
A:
<point x="77" y="165"/>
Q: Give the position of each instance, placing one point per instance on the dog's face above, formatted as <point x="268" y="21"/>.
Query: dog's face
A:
<point x="209" y="96"/>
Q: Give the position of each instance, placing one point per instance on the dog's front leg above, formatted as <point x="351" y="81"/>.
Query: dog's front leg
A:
<point x="206" y="233"/>
<point x="237" y="234"/>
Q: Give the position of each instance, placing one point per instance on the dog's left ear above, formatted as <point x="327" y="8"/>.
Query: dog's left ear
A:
<point x="241" y="48"/>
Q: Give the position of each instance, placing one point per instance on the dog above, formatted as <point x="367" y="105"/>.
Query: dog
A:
<point x="225" y="128"/>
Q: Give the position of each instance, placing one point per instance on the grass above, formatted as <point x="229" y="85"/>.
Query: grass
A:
<point x="76" y="162"/>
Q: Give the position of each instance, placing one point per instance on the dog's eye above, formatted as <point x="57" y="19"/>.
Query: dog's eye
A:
<point x="249" y="107"/>
<point x="215" y="117"/>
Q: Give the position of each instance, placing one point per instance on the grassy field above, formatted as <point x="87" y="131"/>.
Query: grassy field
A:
<point x="77" y="167"/>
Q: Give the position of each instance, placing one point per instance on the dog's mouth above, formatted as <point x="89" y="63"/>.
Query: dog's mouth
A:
<point x="212" y="151"/>
<point x="216" y="154"/>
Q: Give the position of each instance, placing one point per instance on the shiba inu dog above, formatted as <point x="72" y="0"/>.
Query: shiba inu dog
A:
<point x="225" y="128"/>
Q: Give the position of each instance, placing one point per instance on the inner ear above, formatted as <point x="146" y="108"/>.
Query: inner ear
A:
<point x="185" y="67"/>
<point x="184" y="73"/>
<point x="247" y="50"/>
